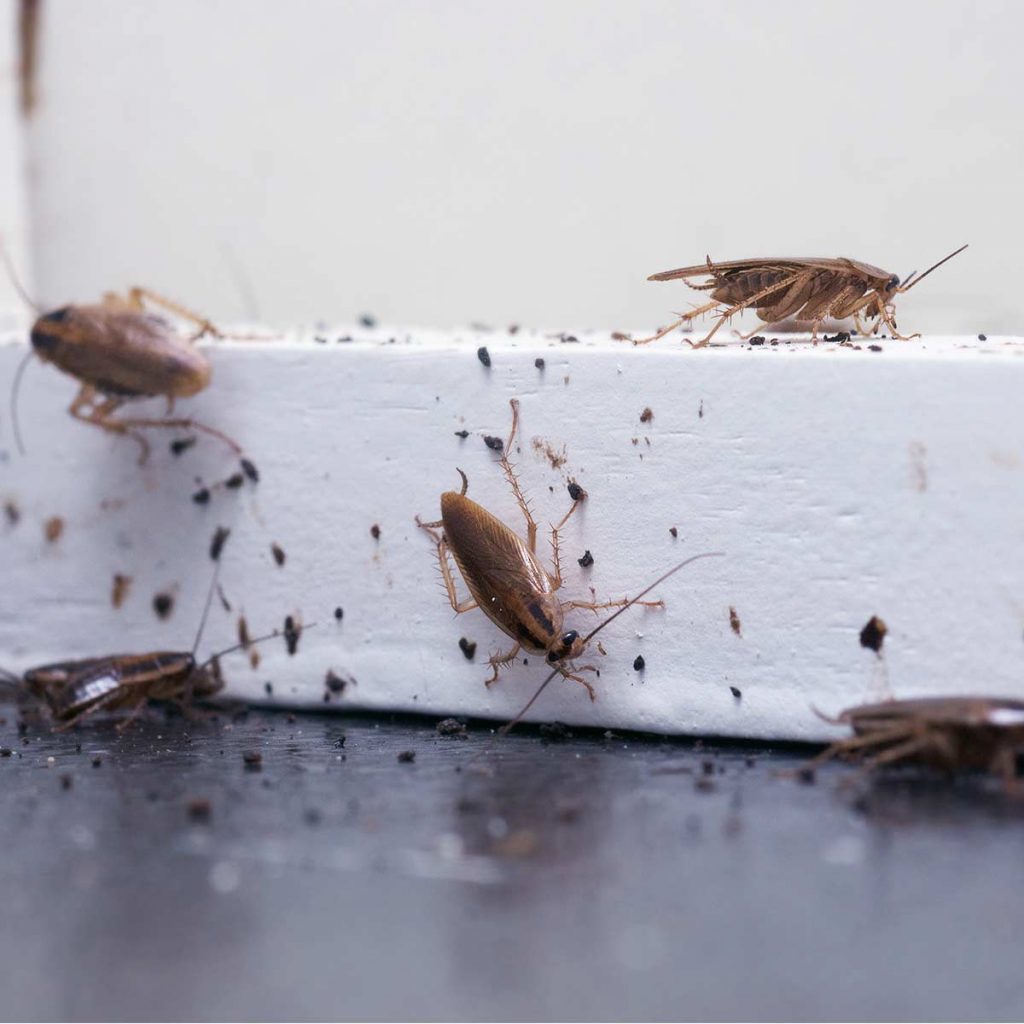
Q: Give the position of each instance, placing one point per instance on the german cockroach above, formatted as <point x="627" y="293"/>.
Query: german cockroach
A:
<point x="811" y="290"/>
<point x="950" y="734"/>
<point x="506" y="580"/>
<point x="119" y="350"/>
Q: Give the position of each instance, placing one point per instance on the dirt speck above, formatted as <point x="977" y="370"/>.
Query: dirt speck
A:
<point x="872" y="636"/>
<point x="462" y="434"/>
<point x="291" y="634"/>
<point x="181" y="444"/>
<point x="335" y="683"/>
<point x="700" y="409"/>
<point x="220" y="538"/>
<point x="339" y="614"/>
<point x="375" y="531"/>
<point x="199" y="809"/>
<point x="468" y="648"/>
<point x="243" y="633"/>
<point x="576" y="492"/>
<point x="874" y="348"/>
<point x="539" y="363"/>
<point x="674" y="531"/>
<point x="12" y="513"/>
<point x="982" y="337"/>
<point x="119" y="590"/>
<point x="163" y="605"/>
<point x="646" y="416"/>
<point x="202" y="496"/>
<point x="452" y="729"/>
<point x="547" y="450"/>
<point x="586" y="560"/>
<point x="638" y="663"/>
<point x="736" y="692"/>
<point x="278" y="552"/>
<point x="734" y="622"/>
<point x="407" y="757"/>
<point x="234" y="481"/>
<point x="253" y="760"/>
<point x="52" y="529"/>
<point x="620" y="336"/>
<point x="484" y="356"/>
<point x="250" y="470"/>
<point x="494" y="443"/>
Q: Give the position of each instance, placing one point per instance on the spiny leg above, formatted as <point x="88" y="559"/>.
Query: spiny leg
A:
<point x="84" y="407"/>
<point x="596" y="606"/>
<point x="579" y="679"/>
<point x="506" y="465"/>
<point x="751" y="300"/>
<point x="138" y="297"/>
<point x="853" y="745"/>
<point x="498" y="661"/>
<point x="445" y="566"/>
<point x="556" y="580"/>
<point x="683" y="319"/>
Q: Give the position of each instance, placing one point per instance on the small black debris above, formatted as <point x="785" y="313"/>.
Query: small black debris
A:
<point x="202" y="496"/>
<point x="982" y="337"/>
<point x="5" y="751"/>
<point x="163" y="605"/>
<point x="758" y="340"/>
<point x="182" y="444"/>
<point x="452" y="728"/>
<point x="334" y="682"/>
<point x="587" y="560"/>
<point x="234" y="481"/>
<point x="97" y="761"/>
<point x="468" y="648"/>
<point x="646" y="416"/>
<point x="539" y="363"/>
<point x="407" y="756"/>
<point x="872" y="635"/>
<point x="220" y="537"/>
<point x="806" y="776"/>
<point x="278" y="552"/>
<point x="253" y="760"/>
<point x="66" y="781"/>
<point x="462" y="433"/>
<point x="575" y="491"/>
<point x="291" y="634"/>
<point x="736" y="692"/>
<point x="199" y="809"/>
<point x="840" y="337"/>
<point x="375" y="531"/>
<point x="673" y="531"/>
<point x="639" y="663"/>
<point x="339" y="614"/>
<point x="340" y="741"/>
<point x="368" y="321"/>
<point x="483" y="355"/>
<point x="874" y="348"/>
<point x="555" y="731"/>
<point x="250" y="470"/>
<point x="568" y="339"/>
<point x="494" y="443"/>
<point x="268" y="689"/>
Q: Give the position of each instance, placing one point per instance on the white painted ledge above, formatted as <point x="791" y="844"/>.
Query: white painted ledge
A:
<point x="842" y="484"/>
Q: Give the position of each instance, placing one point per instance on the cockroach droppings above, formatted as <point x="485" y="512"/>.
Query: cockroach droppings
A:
<point x="872" y="635"/>
<point x="673" y="531"/>
<point x="250" y="470"/>
<point x="12" y="513"/>
<point x="335" y="683"/>
<point x="452" y="728"/>
<point x="736" y="692"/>
<point x="982" y="337"/>
<point x="53" y="528"/>
<point x="163" y="605"/>
<point x="367" y="321"/>
<point x="639" y="663"/>
<point x="339" y="614"/>
<point x="575" y="491"/>
<point x="119" y="591"/>
<point x="407" y="756"/>
<point x="587" y="560"/>
<point x="220" y="538"/>
<point x="463" y="434"/>
<point x="734" y="622"/>
<point x="234" y="481"/>
<point x="375" y="531"/>
<point x="199" y="809"/>
<point x="181" y="444"/>
<point x="494" y="443"/>
<point x="253" y="760"/>
<point x="468" y="648"/>
<point x="646" y="416"/>
<point x="291" y="634"/>
<point x="202" y="496"/>
<point x="278" y="552"/>
<point x="539" y="363"/>
<point x="268" y="689"/>
<point x="484" y="356"/>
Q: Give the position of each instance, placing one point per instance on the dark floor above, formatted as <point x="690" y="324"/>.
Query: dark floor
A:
<point x="587" y="878"/>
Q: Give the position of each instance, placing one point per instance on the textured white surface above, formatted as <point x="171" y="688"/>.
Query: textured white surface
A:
<point x="842" y="484"/>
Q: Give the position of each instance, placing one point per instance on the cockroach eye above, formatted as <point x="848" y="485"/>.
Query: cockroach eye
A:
<point x="893" y="282"/>
<point x="43" y="341"/>
<point x="568" y="639"/>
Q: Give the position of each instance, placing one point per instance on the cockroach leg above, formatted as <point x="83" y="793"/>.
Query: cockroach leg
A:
<point x="596" y="606"/>
<point x="499" y="661"/>
<point x="510" y="475"/>
<point x="445" y="565"/>
<point x="556" y="580"/>
<point x="137" y="298"/>
<point x="579" y="679"/>
<point x="85" y="408"/>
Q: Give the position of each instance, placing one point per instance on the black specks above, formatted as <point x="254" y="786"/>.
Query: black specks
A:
<point x="202" y="496"/>
<point x="468" y="648"/>
<point x="407" y="757"/>
<point x="638" y="663"/>
<point x="462" y="433"/>
<point x="163" y="605"/>
<point x="367" y="321"/>
<point x="268" y="689"/>
<point x="12" y="513"/>
<point x="339" y="614"/>
<point x="234" y="481"/>
<point x="375" y="531"/>
<point x="291" y="634"/>
<point x="758" y="340"/>
<point x="734" y="621"/>
<point x="278" y="552"/>
<point x="484" y="356"/>
<point x="494" y="443"/>
<point x="182" y="444"/>
<point x="452" y="729"/>
<point x="539" y="363"/>
<point x="335" y="683"/>
<point x="872" y="635"/>
<point x="250" y="470"/>
<point x="874" y="348"/>
<point x="736" y="692"/>
<point x="587" y="560"/>
<point x="673" y="531"/>
<point x="220" y="538"/>
<point x="646" y="416"/>
<point x="982" y="337"/>
<point x="700" y="410"/>
<point x="575" y="491"/>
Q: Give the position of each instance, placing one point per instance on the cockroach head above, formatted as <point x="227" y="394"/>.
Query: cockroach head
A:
<point x="46" y="331"/>
<point x="570" y="645"/>
<point x="893" y="283"/>
<point x="206" y="680"/>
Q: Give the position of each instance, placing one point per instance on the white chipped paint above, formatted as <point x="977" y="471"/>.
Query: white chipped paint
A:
<point x="841" y="484"/>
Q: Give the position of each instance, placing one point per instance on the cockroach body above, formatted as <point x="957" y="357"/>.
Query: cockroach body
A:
<point x="949" y="734"/>
<point x="120" y="351"/>
<point x="507" y="581"/>
<point x="807" y="289"/>
<point x="74" y="690"/>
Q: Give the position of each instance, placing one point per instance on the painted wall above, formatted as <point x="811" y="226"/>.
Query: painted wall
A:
<point x="445" y="162"/>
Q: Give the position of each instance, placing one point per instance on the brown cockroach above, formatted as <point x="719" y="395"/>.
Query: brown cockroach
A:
<point x="946" y="733"/>
<point x="507" y="582"/>
<point x="120" y="350"/>
<point x="805" y="289"/>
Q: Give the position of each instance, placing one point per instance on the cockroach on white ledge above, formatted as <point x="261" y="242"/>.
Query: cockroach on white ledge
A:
<point x="509" y="585"/>
<point x="808" y="289"/>
<point x="950" y="734"/>
<point x="119" y="350"/>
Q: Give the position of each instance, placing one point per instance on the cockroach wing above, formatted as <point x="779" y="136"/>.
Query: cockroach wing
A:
<point x="792" y="265"/>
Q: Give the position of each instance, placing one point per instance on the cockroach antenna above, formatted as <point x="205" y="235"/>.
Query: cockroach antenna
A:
<point x="509" y="726"/>
<point x="19" y="373"/>
<point x="911" y="281"/>
<point x="249" y="641"/>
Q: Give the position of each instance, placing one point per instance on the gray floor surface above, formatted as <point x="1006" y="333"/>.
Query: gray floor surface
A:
<point x="586" y="877"/>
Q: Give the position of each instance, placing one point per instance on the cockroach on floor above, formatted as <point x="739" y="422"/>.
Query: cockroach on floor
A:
<point x="950" y="734"/>
<point x="507" y="582"/>
<point x="806" y="289"/>
<point x="119" y="350"/>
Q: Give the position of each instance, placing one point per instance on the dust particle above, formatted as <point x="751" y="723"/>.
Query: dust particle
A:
<point x="673" y="531"/>
<point x="575" y="491"/>
<point x="202" y="496"/>
<point x="375" y="531"/>
<point x="119" y="591"/>
<point x="736" y="692"/>
<point x="12" y="513"/>
<point x="587" y="560"/>
<point x="250" y="470"/>
<point x="462" y="433"/>
<point x="452" y="728"/>
<point x="334" y="682"/>
<point x="220" y="538"/>
<point x="53" y="528"/>
<point x="494" y="443"/>
<point x="182" y="444"/>
<point x="539" y="363"/>
<point x="199" y="809"/>
<point x="639" y="663"/>
<point x="483" y="355"/>
<point x="408" y="756"/>
<point x="291" y="634"/>
<point x="278" y="552"/>
<point x="646" y="416"/>
<point x="734" y="621"/>
<point x="234" y="481"/>
<point x="468" y="648"/>
<point x="163" y="605"/>
<point x="872" y="635"/>
<point x="253" y="760"/>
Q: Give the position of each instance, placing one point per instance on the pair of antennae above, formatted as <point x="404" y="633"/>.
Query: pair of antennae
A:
<point x="34" y="306"/>
<point x="911" y="280"/>
<point x="509" y="726"/>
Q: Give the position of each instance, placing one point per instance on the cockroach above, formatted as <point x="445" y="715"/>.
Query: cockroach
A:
<point x="806" y="289"/>
<point x="949" y="734"/>
<point x="507" y="582"/>
<point x="76" y="690"/>
<point x="120" y="350"/>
